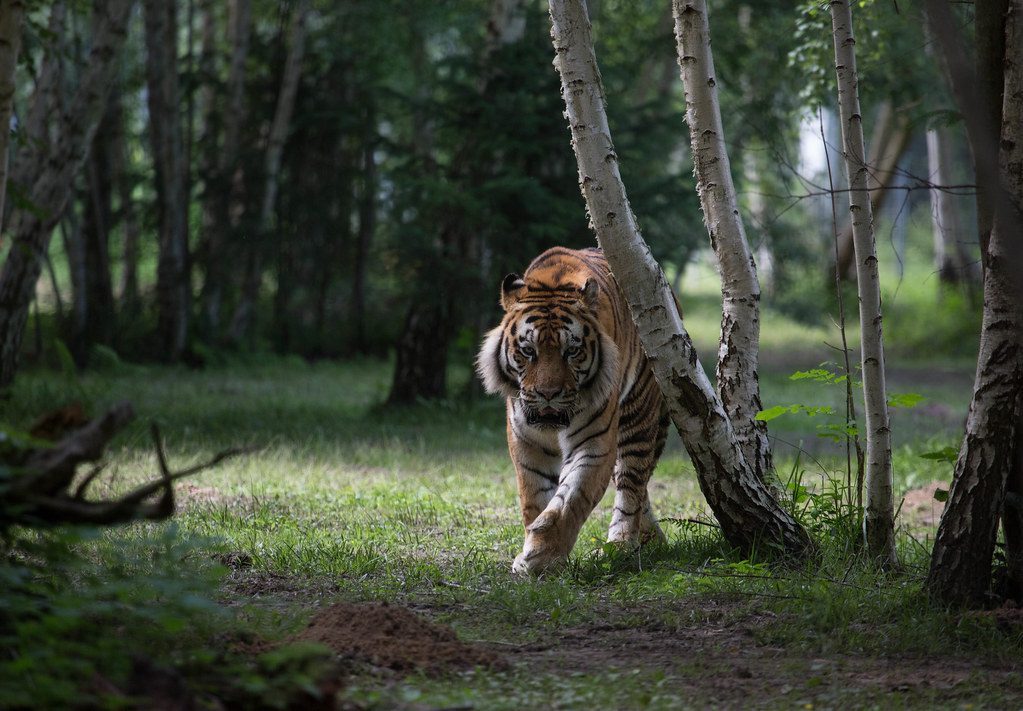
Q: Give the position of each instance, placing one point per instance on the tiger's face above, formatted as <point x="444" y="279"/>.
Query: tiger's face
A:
<point x="549" y="353"/>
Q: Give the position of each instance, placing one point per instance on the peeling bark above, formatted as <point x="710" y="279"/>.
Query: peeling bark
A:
<point x="879" y="507"/>
<point x="989" y="460"/>
<point x="738" y="385"/>
<point x="751" y="519"/>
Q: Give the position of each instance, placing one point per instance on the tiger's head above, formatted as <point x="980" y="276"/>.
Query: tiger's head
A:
<point x="550" y="352"/>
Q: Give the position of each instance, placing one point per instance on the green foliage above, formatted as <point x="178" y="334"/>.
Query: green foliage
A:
<point x="883" y="31"/>
<point x="945" y="454"/>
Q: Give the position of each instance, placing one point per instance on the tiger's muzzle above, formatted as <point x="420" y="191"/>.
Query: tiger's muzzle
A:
<point x="552" y="410"/>
<point x="548" y="417"/>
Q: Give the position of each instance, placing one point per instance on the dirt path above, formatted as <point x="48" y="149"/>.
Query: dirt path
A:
<point x="721" y="665"/>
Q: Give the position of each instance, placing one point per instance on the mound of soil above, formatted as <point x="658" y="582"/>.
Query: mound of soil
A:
<point x="395" y="638"/>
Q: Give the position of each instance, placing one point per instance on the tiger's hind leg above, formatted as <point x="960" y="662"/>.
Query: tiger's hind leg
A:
<point x="640" y="443"/>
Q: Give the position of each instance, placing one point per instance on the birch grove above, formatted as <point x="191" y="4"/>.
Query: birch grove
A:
<point x="749" y="515"/>
<point x="879" y="504"/>
<point x="58" y="142"/>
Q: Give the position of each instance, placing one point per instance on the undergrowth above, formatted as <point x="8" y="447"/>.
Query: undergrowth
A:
<point x="345" y="500"/>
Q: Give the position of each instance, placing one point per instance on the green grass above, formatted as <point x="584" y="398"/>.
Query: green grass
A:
<point x="346" y="500"/>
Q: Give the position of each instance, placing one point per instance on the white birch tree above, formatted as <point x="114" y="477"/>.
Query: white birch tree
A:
<point x="990" y="459"/>
<point x="738" y="385"/>
<point x="879" y="506"/>
<point x="748" y="513"/>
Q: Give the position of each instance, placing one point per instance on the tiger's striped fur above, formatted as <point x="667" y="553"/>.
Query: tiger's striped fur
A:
<point x="583" y="407"/>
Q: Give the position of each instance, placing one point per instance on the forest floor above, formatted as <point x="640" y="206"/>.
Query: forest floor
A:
<point x="347" y="506"/>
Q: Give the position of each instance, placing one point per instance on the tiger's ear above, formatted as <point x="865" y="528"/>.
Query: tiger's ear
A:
<point x="590" y="293"/>
<point x="510" y="288"/>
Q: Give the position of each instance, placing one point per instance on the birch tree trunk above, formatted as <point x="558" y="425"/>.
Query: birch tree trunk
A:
<point x="950" y="259"/>
<point x="11" y="14"/>
<point x="879" y="508"/>
<point x="989" y="460"/>
<point x="750" y="517"/>
<point x="55" y="148"/>
<point x="241" y="321"/>
<point x="887" y="146"/>
<point x="738" y="385"/>
<point x="101" y="172"/>
<point x="989" y="32"/>
<point x="173" y="287"/>
<point x="130" y="303"/>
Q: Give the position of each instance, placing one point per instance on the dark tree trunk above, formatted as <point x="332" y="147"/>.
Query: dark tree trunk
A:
<point x="989" y="33"/>
<point x="11" y="14"/>
<point x="986" y="483"/>
<point x="456" y="243"/>
<point x="74" y="248"/>
<point x="420" y="372"/>
<point x="367" y="226"/>
<point x="219" y="165"/>
<point x="46" y="171"/>
<point x="96" y="226"/>
<point x="130" y="303"/>
<point x="244" y="313"/>
<point x="173" y="292"/>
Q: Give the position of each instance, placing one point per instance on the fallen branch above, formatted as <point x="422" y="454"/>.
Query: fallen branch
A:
<point x="39" y="493"/>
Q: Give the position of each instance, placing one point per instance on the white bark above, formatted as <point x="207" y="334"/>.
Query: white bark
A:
<point x="879" y="508"/>
<point x="887" y="145"/>
<point x="11" y="14"/>
<point x="747" y="511"/>
<point x="738" y="351"/>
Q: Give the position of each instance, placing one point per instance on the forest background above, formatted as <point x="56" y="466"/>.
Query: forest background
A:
<point x="284" y="224"/>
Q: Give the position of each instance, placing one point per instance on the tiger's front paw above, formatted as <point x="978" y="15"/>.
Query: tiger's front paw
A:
<point x="543" y="549"/>
<point x="535" y="562"/>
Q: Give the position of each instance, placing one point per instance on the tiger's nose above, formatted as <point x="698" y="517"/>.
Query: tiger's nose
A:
<point x="549" y="393"/>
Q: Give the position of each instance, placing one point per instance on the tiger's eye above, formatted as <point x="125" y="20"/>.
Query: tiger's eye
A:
<point x="528" y="352"/>
<point x="572" y="351"/>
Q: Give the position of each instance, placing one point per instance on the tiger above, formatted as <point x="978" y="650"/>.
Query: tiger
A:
<point x="583" y="408"/>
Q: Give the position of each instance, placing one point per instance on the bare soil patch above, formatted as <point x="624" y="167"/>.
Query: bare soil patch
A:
<point x="394" y="638"/>
<point x="919" y="507"/>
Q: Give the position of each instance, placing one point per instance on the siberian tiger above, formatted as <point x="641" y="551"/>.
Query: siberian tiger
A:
<point x="583" y="407"/>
